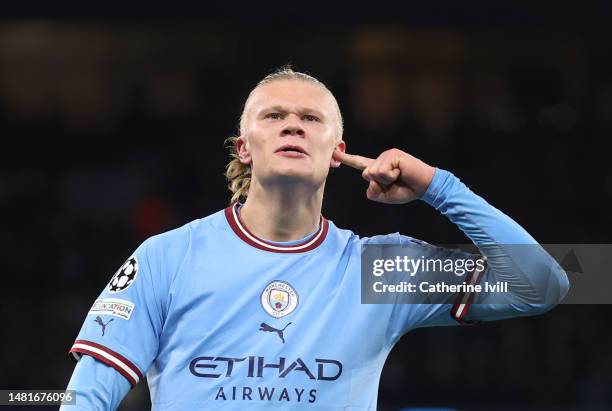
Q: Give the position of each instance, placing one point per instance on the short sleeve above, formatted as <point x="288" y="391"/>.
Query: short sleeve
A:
<point x="123" y="325"/>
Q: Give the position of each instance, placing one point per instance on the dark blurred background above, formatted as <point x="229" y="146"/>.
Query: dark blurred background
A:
<point x="112" y="125"/>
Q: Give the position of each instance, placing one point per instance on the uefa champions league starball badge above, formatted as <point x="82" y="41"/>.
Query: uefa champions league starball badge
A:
<point x="279" y="299"/>
<point x="125" y="276"/>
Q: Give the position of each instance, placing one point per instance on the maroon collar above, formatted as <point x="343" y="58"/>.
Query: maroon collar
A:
<point x="233" y="218"/>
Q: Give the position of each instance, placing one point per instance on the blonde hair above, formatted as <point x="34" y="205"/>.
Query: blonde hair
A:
<point x="238" y="174"/>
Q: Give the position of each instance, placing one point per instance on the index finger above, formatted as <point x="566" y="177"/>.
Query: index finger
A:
<point x="353" y="160"/>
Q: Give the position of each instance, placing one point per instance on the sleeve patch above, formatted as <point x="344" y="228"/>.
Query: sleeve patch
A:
<point x="125" y="276"/>
<point x="112" y="306"/>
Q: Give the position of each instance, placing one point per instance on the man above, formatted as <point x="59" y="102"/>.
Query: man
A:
<point x="258" y="306"/>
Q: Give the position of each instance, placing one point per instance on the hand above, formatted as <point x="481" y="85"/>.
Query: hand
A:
<point x="395" y="177"/>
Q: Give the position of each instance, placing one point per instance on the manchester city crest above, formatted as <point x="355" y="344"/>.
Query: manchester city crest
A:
<point x="279" y="299"/>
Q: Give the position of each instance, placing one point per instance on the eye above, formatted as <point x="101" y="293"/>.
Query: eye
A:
<point x="274" y="116"/>
<point x="310" y="117"/>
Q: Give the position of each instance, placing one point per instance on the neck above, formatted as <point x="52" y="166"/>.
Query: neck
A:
<point x="282" y="212"/>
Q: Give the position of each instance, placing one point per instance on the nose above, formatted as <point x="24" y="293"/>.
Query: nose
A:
<point x="293" y="131"/>
<point x="292" y="128"/>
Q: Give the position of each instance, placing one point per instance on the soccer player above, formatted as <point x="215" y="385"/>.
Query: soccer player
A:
<point x="258" y="306"/>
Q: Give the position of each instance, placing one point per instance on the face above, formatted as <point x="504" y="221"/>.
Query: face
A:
<point x="290" y="130"/>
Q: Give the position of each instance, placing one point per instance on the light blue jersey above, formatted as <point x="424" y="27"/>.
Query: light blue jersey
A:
<point x="217" y="318"/>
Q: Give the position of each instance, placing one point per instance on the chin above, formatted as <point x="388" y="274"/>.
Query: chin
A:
<point x="291" y="167"/>
<point x="295" y="174"/>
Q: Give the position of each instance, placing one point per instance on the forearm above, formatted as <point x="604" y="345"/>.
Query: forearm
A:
<point x="97" y="386"/>
<point x="535" y="280"/>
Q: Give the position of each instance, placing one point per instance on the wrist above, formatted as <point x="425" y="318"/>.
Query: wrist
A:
<point x="435" y="186"/>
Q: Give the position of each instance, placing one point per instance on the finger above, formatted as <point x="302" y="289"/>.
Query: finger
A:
<point x="386" y="167"/>
<point x="365" y="174"/>
<point x="375" y="190"/>
<point x="368" y="176"/>
<point x="388" y="176"/>
<point x="353" y="160"/>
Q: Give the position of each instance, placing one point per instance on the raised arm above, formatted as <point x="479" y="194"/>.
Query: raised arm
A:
<point x="536" y="282"/>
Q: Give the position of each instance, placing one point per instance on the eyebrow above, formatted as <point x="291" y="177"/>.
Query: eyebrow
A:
<point x="301" y="110"/>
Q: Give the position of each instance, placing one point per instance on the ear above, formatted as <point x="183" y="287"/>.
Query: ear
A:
<point x="243" y="151"/>
<point x="340" y="146"/>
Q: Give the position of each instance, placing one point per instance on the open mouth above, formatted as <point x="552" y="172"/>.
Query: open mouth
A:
<point x="292" y="150"/>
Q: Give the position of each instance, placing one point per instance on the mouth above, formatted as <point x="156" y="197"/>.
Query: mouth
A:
<point x="289" y="150"/>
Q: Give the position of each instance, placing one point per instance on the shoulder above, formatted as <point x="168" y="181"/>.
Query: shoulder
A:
<point x="391" y="238"/>
<point x="181" y="236"/>
<point x="340" y="235"/>
<point x="170" y="248"/>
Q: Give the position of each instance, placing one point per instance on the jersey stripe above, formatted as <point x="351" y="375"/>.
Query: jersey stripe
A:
<point x="464" y="300"/>
<point x="233" y="218"/>
<point x="124" y="366"/>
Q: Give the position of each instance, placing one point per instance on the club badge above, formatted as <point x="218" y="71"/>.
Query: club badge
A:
<point x="279" y="299"/>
